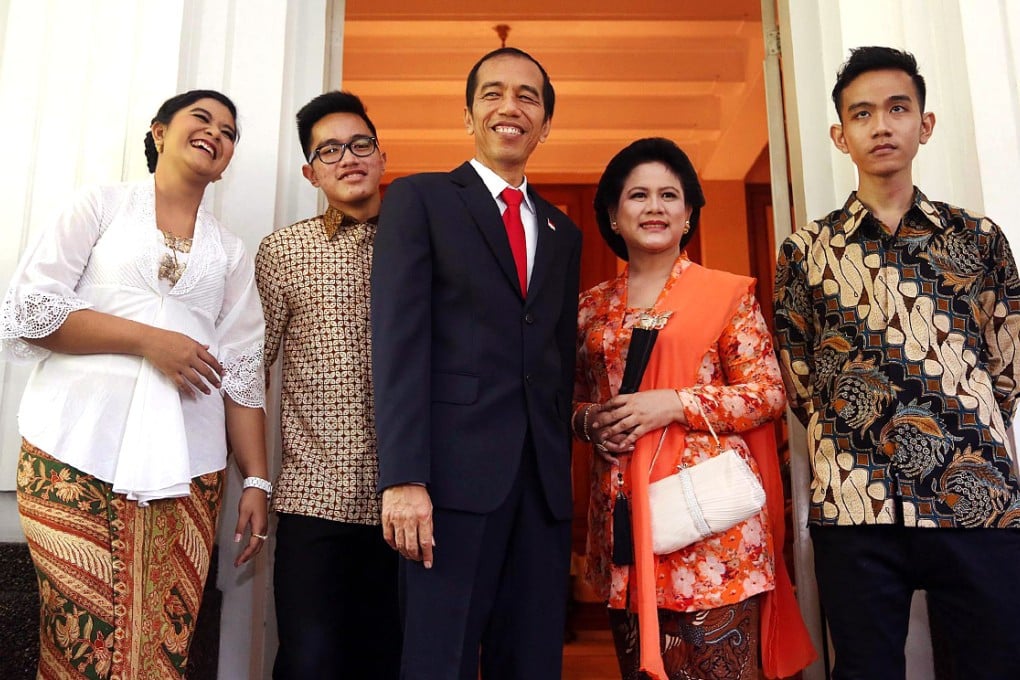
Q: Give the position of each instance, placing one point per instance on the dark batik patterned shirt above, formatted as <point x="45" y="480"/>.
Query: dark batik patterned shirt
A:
<point x="900" y="355"/>
<point x="313" y="277"/>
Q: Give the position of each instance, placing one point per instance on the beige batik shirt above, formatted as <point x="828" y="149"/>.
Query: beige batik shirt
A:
<point x="313" y="277"/>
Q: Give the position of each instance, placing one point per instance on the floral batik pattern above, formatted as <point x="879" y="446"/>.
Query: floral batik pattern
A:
<point x="901" y="354"/>
<point x="119" y="585"/>
<point x="738" y="387"/>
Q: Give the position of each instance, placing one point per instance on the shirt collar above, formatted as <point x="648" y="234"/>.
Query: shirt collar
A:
<point x="335" y="219"/>
<point x="495" y="184"/>
<point x="854" y="212"/>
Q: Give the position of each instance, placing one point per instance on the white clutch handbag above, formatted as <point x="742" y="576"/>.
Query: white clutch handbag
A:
<point x="703" y="499"/>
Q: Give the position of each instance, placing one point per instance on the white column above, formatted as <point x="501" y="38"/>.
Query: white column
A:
<point x="969" y="53"/>
<point x="269" y="56"/>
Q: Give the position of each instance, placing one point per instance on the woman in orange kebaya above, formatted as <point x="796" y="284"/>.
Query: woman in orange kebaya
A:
<point x="706" y="610"/>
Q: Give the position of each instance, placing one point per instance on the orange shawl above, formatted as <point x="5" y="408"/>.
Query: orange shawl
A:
<point x="703" y="301"/>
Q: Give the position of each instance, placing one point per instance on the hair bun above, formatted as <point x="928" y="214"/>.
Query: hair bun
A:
<point x="151" y="155"/>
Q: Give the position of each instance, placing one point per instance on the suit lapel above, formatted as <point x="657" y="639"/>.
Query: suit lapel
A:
<point x="486" y="216"/>
<point x="545" y="250"/>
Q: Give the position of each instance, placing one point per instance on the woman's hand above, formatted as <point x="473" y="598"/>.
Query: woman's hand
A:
<point x="252" y="514"/>
<point x="246" y="432"/>
<point x="186" y="362"/>
<point x="625" y="418"/>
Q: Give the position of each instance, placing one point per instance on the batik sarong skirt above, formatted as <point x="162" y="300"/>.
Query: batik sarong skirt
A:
<point x="119" y="585"/>
<point x="713" y="644"/>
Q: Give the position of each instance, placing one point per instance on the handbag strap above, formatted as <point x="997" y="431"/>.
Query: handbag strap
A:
<point x="662" y="438"/>
<point x="658" y="448"/>
<point x="701" y="411"/>
<point x="685" y="481"/>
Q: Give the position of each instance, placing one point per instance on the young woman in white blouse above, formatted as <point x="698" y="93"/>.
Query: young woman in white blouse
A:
<point x="143" y="315"/>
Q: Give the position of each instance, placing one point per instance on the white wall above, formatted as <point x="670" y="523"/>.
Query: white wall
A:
<point x="79" y="82"/>
<point x="969" y="53"/>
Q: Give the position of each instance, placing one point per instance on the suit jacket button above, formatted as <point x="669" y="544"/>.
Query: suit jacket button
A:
<point x="527" y="378"/>
<point x="529" y="318"/>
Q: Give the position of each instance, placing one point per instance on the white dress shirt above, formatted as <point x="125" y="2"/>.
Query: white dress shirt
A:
<point x="116" y="416"/>
<point x="529" y="215"/>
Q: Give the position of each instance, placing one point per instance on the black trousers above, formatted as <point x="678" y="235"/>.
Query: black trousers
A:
<point x="867" y="576"/>
<point x="496" y="593"/>
<point x="337" y="611"/>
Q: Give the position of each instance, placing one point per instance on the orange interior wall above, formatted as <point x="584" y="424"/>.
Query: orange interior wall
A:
<point x="723" y="227"/>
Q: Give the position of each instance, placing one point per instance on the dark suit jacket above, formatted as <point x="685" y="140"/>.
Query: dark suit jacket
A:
<point x="464" y="366"/>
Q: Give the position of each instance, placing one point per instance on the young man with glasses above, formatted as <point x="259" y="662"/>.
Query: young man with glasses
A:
<point x="335" y="578"/>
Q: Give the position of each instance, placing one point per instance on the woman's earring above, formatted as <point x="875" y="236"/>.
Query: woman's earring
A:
<point x="159" y="146"/>
<point x="616" y="230"/>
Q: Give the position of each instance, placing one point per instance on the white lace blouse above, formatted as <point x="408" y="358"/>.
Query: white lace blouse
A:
<point x="116" y="416"/>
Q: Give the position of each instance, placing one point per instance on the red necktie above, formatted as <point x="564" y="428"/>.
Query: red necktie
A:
<point x="515" y="233"/>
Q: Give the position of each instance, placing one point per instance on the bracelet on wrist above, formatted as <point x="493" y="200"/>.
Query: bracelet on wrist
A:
<point x="586" y="424"/>
<point x="258" y="483"/>
<point x="575" y="420"/>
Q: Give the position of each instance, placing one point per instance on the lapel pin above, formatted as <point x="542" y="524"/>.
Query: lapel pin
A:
<point x="551" y="225"/>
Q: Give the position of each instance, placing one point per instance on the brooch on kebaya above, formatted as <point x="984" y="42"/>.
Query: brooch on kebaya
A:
<point x="648" y="322"/>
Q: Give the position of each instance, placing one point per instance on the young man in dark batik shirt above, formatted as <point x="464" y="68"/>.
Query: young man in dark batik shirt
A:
<point x="897" y="321"/>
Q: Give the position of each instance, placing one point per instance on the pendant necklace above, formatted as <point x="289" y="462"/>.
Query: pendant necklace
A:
<point x="170" y="268"/>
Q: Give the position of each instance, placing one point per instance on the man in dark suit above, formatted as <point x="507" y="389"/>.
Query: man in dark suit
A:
<point x="474" y="311"/>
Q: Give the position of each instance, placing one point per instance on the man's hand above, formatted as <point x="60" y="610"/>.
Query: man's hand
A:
<point x="407" y="522"/>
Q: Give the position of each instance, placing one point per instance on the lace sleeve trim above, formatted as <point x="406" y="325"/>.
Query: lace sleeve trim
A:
<point x="243" y="378"/>
<point x="34" y="315"/>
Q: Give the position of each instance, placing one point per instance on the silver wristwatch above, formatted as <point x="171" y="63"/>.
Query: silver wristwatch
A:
<point x="258" y="483"/>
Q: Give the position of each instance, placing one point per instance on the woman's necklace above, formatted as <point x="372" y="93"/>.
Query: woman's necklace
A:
<point x="170" y="268"/>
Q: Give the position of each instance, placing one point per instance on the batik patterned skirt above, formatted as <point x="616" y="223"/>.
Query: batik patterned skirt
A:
<point x="119" y="585"/>
<point x="714" y="644"/>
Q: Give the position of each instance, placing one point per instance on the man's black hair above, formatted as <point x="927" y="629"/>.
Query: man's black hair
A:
<point x="875" y="58"/>
<point x="548" y="93"/>
<point x="322" y="106"/>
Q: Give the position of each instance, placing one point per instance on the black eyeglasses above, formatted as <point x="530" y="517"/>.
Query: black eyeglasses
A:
<point x="334" y="151"/>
